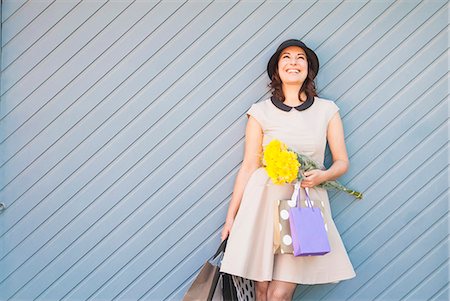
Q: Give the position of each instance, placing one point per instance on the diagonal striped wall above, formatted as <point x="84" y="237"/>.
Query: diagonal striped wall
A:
<point x="122" y="129"/>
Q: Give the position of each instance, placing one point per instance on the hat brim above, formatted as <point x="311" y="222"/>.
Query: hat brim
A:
<point x="312" y="57"/>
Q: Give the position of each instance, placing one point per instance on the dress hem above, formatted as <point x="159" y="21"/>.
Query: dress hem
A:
<point x="329" y="281"/>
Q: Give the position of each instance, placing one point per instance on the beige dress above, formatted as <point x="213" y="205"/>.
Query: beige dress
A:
<point x="249" y="252"/>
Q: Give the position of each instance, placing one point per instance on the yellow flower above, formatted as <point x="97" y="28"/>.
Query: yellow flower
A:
<point x="281" y="164"/>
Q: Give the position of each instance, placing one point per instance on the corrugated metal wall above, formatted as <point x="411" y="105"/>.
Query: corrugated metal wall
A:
<point x="122" y="132"/>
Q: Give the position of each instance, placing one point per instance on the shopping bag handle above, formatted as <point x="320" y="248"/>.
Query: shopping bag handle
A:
<point x="308" y="199"/>
<point x="221" y="248"/>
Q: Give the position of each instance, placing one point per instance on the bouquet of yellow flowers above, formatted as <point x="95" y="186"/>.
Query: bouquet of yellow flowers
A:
<point x="284" y="166"/>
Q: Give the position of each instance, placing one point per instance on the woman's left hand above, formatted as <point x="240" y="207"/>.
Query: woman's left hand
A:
<point x="313" y="177"/>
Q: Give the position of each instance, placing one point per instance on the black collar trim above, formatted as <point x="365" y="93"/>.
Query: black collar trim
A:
<point x="282" y="106"/>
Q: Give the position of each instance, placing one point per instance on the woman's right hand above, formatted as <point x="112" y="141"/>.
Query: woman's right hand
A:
<point x="226" y="229"/>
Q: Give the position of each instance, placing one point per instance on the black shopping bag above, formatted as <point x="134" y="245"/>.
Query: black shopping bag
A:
<point x="209" y="280"/>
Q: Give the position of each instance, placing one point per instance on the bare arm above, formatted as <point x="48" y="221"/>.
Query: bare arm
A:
<point x="335" y="137"/>
<point x="251" y="162"/>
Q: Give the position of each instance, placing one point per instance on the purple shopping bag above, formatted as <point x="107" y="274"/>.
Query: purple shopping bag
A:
<point x="309" y="236"/>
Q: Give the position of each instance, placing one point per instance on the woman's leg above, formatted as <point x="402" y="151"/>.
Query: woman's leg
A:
<point x="280" y="290"/>
<point x="261" y="290"/>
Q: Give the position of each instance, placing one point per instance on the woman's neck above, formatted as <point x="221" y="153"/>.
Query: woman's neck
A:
<point x="291" y="95"/>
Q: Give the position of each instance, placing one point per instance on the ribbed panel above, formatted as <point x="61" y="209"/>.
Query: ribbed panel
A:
<point x="122" y="126"/>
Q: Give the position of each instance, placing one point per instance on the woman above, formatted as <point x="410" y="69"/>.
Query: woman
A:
<point x="298" y="117"/>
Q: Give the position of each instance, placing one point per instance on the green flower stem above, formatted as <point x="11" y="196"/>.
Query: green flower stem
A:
<point x="309" y="164"/>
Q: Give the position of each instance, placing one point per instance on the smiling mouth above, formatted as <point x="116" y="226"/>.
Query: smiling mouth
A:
<point x="292" y="71"/>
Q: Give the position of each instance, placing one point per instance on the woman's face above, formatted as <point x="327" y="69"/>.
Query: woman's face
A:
<point x="293" y="66"/>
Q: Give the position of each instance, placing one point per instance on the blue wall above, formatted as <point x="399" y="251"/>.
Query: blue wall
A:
<point x="122" y="130"/>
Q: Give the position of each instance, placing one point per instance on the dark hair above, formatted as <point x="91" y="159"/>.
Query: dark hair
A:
<point x="308" y="85"/>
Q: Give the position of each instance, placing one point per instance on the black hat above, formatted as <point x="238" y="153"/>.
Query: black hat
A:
<point x="312" y="57"/>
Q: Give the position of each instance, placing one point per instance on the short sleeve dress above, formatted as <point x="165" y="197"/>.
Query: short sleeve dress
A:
<point x="249" y="252"/>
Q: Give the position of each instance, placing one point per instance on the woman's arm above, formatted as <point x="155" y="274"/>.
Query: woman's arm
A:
<point x="335" y="137"/>
<point x="252" y="160"/>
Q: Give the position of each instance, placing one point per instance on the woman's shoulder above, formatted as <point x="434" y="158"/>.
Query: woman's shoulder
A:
<point x="262" y="104"/>
<point x="324" y="101"/>
<point x="259" y="111"/>
<point x="326" y="107"/>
